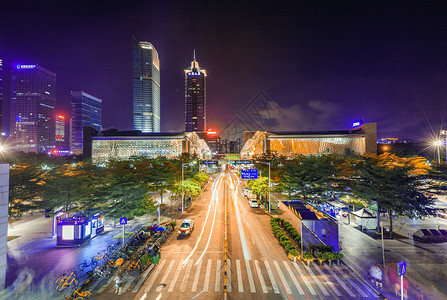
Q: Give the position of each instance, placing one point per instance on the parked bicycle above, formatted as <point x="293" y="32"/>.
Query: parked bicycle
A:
<point x="63" y="282"/>
<point x="92" y="264"/>
<point x="79" y="295"/>
<point x="114" y="247"/>
<point x="101" y="273"/>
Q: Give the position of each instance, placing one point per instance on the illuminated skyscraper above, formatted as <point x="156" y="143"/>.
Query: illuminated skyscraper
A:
<point x="33" y="96"/>
<point x="195" y="97"/>
<point x="146" y="87"/>
<point x="86" y="111"/>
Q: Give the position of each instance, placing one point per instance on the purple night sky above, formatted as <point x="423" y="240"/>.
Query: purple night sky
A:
<point x="325" y="63"/>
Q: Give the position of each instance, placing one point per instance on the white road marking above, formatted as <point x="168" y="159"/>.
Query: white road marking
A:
<point x="217" y="286"/>
<point x="143" y="278"/>
<point x="365" y="286"/>
<point x="252" y="239"/>
<point x="163" y="280"/>
<point x="340" y="281"/>
<point x="283" y="279"/>
<point x="174" y="279"/>
<point x="330" y="283"/>
<point x="303" y="277"/>
<point x="317" y="281"/>
<point x="239" y="276"/>
<point x="351" y="282"/>
<point x="229" y="284"/>
<point x="297" y="285"/>
<point x="143" y="297"/>
<point x="129" y="282"/>
<point x="196" y="278"/>
<point x="103" y="287"/>
<point x="154" y="276"/>
<point x="207" y="275"/>
<point x="272" y="278"/>
<point x="185" y="279"/>
<point x="261" y="279"/>
<point x="250" y="277"/>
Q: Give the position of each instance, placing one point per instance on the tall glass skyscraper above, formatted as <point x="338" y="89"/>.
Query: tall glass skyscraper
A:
<point x="146" y="87"/>
<point x="86" y="111"/>
<point x="33" y="96"/>
<point x="195" y="97"/>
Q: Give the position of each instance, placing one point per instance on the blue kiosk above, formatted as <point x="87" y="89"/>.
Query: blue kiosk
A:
<point x="78" y="229"/>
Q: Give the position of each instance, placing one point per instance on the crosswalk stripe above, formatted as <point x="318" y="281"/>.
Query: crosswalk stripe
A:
<point x="163" y="280"/>
<point x="283" y="279"/>
<point x="297" y="285"/>
<point x="330" y="283"/>
<point x="272" y="278"/>
<point x="143" y="278"/>
<point x="311" y="289"/>
<point x="322" y="288"/>
<point x="196" y="278"/>
<point x="229" y="284"/>
<point x="185" y="279"/>
<point x="340" y="281"/>
<point x="129" y="282"/>
<point x="176" y="274"/>
<point x="261" y="279"/>
<point x="155" y="275"/>
<point x="102" y="287"/>
<point x="217" y="286"/>
<point x="250" y="277"/>
<point x="239" y="276"/>
<point x="207" y="276"/>
<point x="351" y="282"/>
<point x="365" y="286"/>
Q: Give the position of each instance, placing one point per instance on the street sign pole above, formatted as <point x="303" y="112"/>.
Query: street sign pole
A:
<point x="123" y="221"/>
<point x="402" y="287"/>
<point x="124" y="232"/>
<point x="401" y="269"/>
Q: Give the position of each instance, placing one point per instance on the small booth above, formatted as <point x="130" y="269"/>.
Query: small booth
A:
<point x="365" y="219"/>
<point x="78" y="229"/>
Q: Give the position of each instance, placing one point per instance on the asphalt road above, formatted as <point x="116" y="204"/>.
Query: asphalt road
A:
<point x="257" y="266"/>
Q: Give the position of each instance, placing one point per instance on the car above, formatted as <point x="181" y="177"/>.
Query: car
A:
<point x="187" y="227"/>
<point x="253" y="202"/>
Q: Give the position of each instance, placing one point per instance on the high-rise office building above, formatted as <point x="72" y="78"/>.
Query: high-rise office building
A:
<point x="33" y="97"/>
<point x="86" y="111"/>
<point x="146" y="87"/>
<point x="195" y="97"/>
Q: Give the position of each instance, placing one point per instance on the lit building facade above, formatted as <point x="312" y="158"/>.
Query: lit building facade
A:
<point x="124" y="145"/>
<point x="86" y="111"/>
<point x="146" y="87"/>
<point x="33" y="97"/>
<point x="195" y="98"/>
<point x="213" y="140"/>
<point x="359" y="140"/>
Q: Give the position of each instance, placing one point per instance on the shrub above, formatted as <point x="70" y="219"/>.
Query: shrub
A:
<point x="294" y="252"/>
<point x="312" y="247"/>
<point x="284" y="238"/>
<point x="330" y="256"/>
<point x="279" y="234"/>
<point x="289" y="247"/>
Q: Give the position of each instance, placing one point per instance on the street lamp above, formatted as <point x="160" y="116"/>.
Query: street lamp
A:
<point x="438" y="144"/>
<point x="444" y="132"/>
<point x="183" y="191"/>
<point x="267" y="163"/>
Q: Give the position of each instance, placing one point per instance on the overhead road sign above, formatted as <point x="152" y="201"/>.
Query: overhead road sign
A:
<point x="243" y="162"/>
<point x="249" y="173"/>
<point x="210" y="162"/>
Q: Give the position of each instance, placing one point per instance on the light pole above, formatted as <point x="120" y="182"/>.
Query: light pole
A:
<point x="183" y="190"/>
<point x="267" y="163"/>
<point x="383" y="248"/>
<point x="438" y="144"/>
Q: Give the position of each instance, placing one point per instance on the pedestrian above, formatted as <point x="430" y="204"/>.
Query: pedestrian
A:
<point x="118" y="284"/>
<point x="340" y="246"/>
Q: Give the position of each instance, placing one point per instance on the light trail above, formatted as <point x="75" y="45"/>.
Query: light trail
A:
<point x="215" y="195"/>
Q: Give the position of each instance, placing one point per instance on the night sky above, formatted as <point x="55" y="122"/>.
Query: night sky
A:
<point x="324" y="64"/>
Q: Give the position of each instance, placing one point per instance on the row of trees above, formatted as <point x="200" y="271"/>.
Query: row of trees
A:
<point x="397" y="184"/>
<point x="121" y="189"/>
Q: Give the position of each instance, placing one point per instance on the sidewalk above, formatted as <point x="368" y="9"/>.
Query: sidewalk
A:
<point x="361" y="252"/>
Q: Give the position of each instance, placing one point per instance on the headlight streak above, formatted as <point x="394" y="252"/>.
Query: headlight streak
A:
<point x="215" y="194"/>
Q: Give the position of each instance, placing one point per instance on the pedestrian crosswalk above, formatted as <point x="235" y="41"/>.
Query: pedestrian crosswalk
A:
<point x="248" y="276"/>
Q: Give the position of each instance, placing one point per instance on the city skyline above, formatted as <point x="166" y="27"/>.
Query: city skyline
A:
<point x="324" y="64"/>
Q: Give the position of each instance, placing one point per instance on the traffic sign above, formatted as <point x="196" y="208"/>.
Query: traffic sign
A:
<point x="401" y="267"/>
<point x="242" y="162"/>
<point x="210" y="162"/>
<point x="123" y="221"/>
<point x="249" y="173"/>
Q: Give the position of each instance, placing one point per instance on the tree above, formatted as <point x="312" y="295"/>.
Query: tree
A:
<point x="394" y="183"/>
<point x="259" y="186"/>
<point x="191" y="188"/>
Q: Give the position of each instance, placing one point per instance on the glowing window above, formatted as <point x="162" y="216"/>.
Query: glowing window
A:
<point x="68" y="232"/>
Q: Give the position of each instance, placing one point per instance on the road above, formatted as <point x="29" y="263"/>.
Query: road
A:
<point x="257" y="266"/>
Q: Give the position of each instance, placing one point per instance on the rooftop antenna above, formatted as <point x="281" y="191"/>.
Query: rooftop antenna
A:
<point x="194" y="54"/>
